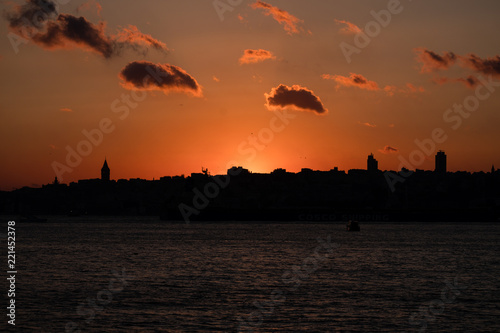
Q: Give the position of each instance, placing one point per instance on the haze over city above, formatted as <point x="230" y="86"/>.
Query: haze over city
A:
<point x="166" y="88"/>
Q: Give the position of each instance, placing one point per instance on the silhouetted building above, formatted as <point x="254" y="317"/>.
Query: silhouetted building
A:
<point x="371" y="163"/>
<point x="237" y="171"/>
<point x="105" y="172"/>
<point x="440" y="162"/>
<point x="492" y="169"/>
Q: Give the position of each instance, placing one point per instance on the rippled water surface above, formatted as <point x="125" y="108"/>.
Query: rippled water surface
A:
<point x="141" y="275"/>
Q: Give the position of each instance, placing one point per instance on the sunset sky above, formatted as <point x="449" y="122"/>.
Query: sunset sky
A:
<point x="174" y="86"/>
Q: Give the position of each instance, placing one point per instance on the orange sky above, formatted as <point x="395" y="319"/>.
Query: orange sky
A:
<point x="179" y="86"/>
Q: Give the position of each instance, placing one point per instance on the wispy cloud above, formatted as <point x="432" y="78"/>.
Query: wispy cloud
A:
<point x="88" y="5"/>
<point x="254" y="56"/>
<point x="294" y="97"/>
<point x="349" y="28"/>
<point x="145" y="75"/>
<point x="388" y="150"/>
<point x="361" y="82"/>
<point x="290" y="23"/>
<point x="431" y="61"/>
<point x="469" y="81"/>
<point x="413" y="89"/>
<point x="353" y="80"/>
<point x="367" y="124"/>
<point x="65" y="110"/>
<point x="132" y="36"/>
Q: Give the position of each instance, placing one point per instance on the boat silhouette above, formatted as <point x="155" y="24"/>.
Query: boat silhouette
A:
<point x="352" y="226"/>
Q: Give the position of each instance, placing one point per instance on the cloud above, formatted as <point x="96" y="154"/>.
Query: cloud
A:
<point x="241" y="18"/>
<point x="412" y="89"/>
<point x="388" y="150"/>
<point x="485" y="66"/>
<point x="255" y="56"/>
<point x="296" y="97"/>
<point x="65" y="110"/>
<point x="432" y="61"/>
<point x="132" y="36"/>
<point x="290" y="23"/>
<point x="215" y="78"/>
<point x="469" y="81"/>
<point x="145" y="75"/>
<point x="354" y="80"/>
<point x="359" y="81"/>
<point x="367" y="124"/>
<point x="407" y="89"/>
<point x="349" y="29"/>
<point x="39" y="22"/>
<point x="31" y="15"/>
<point x="390" y="90"/>
<point x="88" y="5"/>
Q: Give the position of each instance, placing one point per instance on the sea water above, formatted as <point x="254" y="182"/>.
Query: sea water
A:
<point x="90" y="274"/>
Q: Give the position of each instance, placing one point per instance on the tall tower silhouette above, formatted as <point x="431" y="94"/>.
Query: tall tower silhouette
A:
<point x="371" y="163"/>
<point x="440" y="162"/>
<point x="105" y="171"/>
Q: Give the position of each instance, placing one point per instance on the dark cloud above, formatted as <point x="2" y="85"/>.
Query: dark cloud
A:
<point x="296" y="97"/>
<point x="470" y="81"/>
<point x="145" y="75"/>
<point x="485" y="66"/>
<point x="39" y="22"/>
<point x="31" y="15"/>
<point x="432" y="61"/>
<point x="69" y="31"/>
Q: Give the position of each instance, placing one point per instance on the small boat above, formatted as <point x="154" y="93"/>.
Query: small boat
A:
<point x="352" y="226"/>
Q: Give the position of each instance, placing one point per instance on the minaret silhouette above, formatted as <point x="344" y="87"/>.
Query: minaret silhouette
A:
<point x="105" y="171"/>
